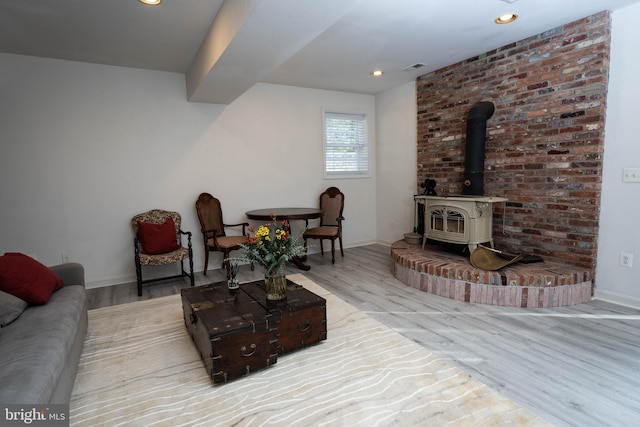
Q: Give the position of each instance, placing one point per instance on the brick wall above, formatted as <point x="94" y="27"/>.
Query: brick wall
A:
<point x="544" y="142"/>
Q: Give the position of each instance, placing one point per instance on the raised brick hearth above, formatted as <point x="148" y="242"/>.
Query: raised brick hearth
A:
<point x="544" y="284"/>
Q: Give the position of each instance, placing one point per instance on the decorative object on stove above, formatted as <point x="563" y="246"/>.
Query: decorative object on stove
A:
<point x="272" y="247"/>
<point x="475" y="147"/>
<point x="429" y="186"/>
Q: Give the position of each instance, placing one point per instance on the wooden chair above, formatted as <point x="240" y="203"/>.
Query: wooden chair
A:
<point x="330" y="228"/>
<point x="158" y="241"/>
<point x="213" y="231"/>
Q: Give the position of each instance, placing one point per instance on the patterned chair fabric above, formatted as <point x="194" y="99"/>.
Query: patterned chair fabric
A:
<point x="213" y="227"/>
<point x="330" y="227"/>
<point x="158" y="216"/>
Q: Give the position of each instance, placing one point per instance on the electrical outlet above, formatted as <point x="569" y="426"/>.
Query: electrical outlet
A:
<point x="626" y="259"/>
<point x="631" y="175"/>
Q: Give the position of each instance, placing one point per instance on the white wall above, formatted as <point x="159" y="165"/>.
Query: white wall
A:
<point x="397" y="162"/>
<point x="619" y="230"/>
<point x="85" y="147"/>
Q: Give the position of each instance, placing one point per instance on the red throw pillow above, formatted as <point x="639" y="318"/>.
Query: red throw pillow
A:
<point x="158" y="238"/>
<point x="27" y="279"/>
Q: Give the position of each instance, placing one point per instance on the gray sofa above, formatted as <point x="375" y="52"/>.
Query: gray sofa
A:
<point x="40" y="350"/>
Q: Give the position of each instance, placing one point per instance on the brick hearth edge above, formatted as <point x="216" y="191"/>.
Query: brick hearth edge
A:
<point x="539" y="285"/>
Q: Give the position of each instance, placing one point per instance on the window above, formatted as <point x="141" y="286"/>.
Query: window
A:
<point x="346" y="144"/>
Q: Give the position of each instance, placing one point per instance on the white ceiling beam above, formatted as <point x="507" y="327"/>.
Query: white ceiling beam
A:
<point x="250" y="38"/>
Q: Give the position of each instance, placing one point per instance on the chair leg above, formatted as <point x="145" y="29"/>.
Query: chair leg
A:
<point x="341" y="251"/>
<point x="333" y="251"/>
<point x="321" y="246"/>
<point x="139" y="277"/>
<point x="191" y="275"/>
<point x="206" y="259"/>
<point x="183" y="271"/>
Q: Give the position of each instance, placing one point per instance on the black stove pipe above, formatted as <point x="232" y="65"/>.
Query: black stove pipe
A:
<point x="474" y="156"/>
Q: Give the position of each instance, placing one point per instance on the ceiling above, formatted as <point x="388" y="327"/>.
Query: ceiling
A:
<point x="226" y="46"/>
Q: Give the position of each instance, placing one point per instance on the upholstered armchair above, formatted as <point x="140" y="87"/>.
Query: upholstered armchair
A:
<point x="158" y="241"/>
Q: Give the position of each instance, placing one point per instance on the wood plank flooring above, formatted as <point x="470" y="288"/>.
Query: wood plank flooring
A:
<point x="572" y="366"/>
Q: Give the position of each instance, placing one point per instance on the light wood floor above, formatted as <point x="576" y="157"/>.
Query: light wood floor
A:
<point x="572" y="366"/>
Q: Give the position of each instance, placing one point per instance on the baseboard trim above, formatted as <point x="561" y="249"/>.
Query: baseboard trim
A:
<point x="615" y="298"/>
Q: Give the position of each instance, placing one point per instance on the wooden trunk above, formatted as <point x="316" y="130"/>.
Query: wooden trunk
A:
<point x="301" y="319"/>
<point x="235" y="336"/>
<point x="240" y="331"/>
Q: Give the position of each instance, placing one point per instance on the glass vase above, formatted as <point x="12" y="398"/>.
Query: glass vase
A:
<point x="275" y="283"/>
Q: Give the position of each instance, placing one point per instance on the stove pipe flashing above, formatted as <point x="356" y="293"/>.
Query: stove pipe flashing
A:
<point x="474" y="156"/>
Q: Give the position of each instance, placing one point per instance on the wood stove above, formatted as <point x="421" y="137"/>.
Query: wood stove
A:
<point x="465" y="218"/>
<point x="459" y="219"/>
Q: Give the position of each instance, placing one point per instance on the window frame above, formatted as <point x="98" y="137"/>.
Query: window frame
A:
<point x="366" y="116"/>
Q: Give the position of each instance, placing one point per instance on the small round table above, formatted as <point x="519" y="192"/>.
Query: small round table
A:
<point x="289" y="214"/>
<point x="284" y="213"/>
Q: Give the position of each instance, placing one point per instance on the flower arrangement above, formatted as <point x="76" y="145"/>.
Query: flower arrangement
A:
<point x="272" y="245"/>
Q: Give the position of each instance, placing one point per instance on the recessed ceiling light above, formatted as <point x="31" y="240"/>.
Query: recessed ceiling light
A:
<point x="151" y="2"/>
<point x="506" y="18"/>
<point x="377" y="73"/>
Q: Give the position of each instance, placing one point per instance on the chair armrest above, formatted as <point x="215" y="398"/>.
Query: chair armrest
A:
<point x="188" y="234"/>
<point x="243" y="224"/>
<point x="339" y="220"/>
<point x="72" y="273"/>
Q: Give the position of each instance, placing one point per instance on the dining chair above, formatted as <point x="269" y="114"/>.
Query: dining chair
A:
<point x="330" y="227"/>
<point x="213" y="231"/>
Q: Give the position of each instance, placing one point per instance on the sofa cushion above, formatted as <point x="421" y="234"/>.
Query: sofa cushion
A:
<point x="27" y="279"/>
<point x="10" y="308"/>
<point x="35" y="347"/>
<point x="158" y="238"/>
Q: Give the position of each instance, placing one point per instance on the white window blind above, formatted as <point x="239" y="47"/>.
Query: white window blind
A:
<point x="346" y="144"/>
